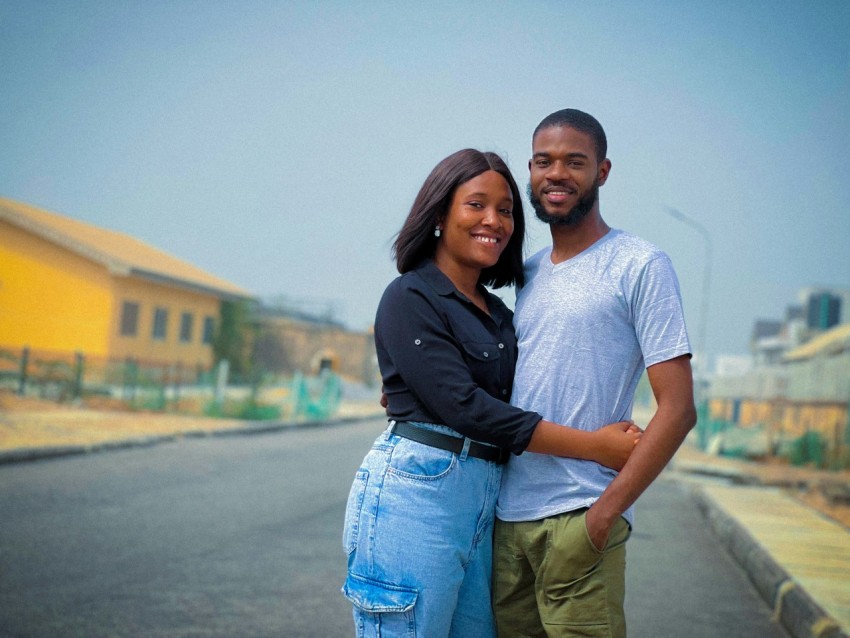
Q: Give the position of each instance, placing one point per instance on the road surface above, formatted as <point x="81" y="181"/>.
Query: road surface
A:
<point x="240" y="537"/>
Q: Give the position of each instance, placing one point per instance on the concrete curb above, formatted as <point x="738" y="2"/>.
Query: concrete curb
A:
<point x="797" y="612"/>
<point x="24" y="455"/>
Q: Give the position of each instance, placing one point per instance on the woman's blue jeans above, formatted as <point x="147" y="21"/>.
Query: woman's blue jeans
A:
<point x="418" y="534"/>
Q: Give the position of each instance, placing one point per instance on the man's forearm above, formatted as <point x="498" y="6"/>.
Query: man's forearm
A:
<point x="663" y="436"/>
<point x="672" y="383"/>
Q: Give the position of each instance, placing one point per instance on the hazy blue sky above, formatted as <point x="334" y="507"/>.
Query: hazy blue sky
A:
<point x="279" y="145"/>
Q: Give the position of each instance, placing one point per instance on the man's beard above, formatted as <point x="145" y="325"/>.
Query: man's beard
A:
<point x="575" y="214"/>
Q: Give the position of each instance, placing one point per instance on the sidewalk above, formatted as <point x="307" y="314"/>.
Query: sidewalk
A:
<point x="797" y="558"/>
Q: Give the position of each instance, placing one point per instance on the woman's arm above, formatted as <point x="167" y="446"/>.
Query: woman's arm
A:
<point x="435" y="371"/>
<point x="610" y="446"/>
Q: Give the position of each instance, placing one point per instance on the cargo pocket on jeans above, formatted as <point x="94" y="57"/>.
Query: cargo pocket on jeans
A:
<point x="383" y="605"/>
<point x="352" y="511"/>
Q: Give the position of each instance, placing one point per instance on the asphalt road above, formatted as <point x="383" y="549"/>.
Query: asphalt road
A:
<point x="240" y="537"/>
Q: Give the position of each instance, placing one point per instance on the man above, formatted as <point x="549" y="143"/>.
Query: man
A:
<point x="598" y="307"/>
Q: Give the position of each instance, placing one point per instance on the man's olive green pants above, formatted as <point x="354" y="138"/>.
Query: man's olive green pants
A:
<point x="550" y="580"/>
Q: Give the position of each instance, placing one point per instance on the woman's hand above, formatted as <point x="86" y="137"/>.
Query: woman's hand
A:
<point x="613" y="444"/>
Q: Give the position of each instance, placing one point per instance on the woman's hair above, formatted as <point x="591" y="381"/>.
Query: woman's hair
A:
<point x="416" y="242"/>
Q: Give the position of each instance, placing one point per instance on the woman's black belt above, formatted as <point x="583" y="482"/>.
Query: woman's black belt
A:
<point x="450" y="443"/>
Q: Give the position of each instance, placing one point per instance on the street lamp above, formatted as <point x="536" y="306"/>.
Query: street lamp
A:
<point x="706" y="285"/>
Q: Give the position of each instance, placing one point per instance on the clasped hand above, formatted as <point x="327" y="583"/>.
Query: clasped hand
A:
<point x="615" y="443"/>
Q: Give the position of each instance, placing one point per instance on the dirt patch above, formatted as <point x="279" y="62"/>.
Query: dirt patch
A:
<point x="27" y="422"/>
<point x="31" y="423"/>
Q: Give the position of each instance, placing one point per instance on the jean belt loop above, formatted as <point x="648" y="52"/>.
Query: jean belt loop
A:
<point x="466" y="443"/>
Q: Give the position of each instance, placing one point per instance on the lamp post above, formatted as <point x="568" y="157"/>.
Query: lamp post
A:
<point x="706" y="286"/>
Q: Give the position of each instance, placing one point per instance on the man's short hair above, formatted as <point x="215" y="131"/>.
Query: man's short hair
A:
<point x="580" y="121"/>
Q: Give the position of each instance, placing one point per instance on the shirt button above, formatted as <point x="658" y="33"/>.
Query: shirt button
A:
<point x="418" y="342"/>
<point x="501" y="346"/>
<point x="504" y="392"/>
<point x="486" y="354"/>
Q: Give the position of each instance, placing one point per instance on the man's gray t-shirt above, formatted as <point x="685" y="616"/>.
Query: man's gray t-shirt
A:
<point x="586" y="329"/>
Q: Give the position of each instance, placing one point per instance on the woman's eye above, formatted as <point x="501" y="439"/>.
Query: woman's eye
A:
<point x="507" y="211"/>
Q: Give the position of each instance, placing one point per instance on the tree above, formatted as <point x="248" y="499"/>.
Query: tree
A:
<point x="233" y="336"/>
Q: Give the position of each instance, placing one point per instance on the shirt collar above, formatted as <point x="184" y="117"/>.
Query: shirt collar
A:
<point x="435" y="278"/>
<point x="443" y="286"/>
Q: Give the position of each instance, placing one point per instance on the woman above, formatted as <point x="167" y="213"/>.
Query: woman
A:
<point x="420" y="513"/>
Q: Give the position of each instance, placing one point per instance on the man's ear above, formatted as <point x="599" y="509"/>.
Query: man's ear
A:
<point x="604" y="171"/>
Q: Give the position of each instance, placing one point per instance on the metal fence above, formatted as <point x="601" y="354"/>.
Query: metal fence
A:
<point x="178" y="388"/>
<point x="63" y="376"/>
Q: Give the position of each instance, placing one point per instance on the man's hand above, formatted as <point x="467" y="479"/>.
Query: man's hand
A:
<point x="598" y="530"/>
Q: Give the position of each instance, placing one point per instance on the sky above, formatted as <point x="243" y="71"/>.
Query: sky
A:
<point x="279" y="145"/>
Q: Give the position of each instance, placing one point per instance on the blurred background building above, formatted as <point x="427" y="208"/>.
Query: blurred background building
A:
<point x="84" y="308"/>
<point x="790" y="398"/>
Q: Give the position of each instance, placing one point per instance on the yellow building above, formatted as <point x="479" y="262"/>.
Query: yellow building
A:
<point x="67" y="287"/>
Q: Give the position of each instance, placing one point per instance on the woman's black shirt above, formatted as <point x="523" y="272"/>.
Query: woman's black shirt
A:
<point x="445" y="361"/>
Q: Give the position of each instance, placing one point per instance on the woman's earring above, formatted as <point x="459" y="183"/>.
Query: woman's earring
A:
<point x="437" y="231"/>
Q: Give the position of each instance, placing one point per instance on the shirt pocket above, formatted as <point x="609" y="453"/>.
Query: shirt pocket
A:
<point x="483" y="360"/>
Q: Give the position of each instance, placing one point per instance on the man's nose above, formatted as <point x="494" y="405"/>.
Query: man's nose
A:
<point x="556" y="171"/>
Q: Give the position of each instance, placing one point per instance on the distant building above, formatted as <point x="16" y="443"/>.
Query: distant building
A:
<point x="799" y="381"/>
<point x="290" y="341"/>
<point x="819" y="370"/>
<point x="820" y="309"/>
<point x="768" y="342"/>
<point x="823" y="311"/>
<point x="67" y="286"/>
<point x="825" y="307"/>
<point x="732" y="365"/>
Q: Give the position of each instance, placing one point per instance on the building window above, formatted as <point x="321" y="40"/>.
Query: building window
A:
<point x="160" y="323"/>
<point x="186" y="322"/>
<point x="209" y="329"/>
<point x="129" y="319"/>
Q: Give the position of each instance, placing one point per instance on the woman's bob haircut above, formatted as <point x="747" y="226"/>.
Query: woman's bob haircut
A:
<point x="416" y="242"/>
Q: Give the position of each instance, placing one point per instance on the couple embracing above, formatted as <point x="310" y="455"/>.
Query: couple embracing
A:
<point x="498" y="501"/>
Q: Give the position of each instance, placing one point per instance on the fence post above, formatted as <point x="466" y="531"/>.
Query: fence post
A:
<point x="79" y="361"/>
<point x="131" y="378"/>
<point x="178" y="381"/>
<point x="221" y="382"/>
<point x="22" y="379"/>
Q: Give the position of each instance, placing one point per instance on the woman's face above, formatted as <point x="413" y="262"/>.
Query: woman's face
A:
<point x="479" y="223"/>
